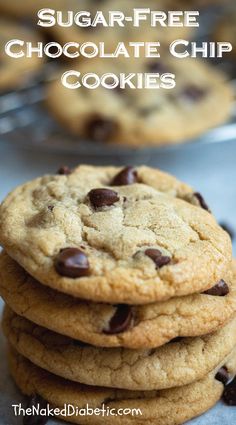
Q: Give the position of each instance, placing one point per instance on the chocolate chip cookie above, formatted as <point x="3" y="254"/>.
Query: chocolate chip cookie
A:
<point x="178" y="363"/>
<point x="114" y="235"/>
<point x="147" y="326"/>
<point x="15" y="72"/>
<point x="142" y="117"/>
<point x="166" y="407"/>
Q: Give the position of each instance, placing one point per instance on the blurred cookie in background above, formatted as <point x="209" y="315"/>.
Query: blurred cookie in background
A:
<point x="226" y="30"/>
<point x="15" y="71"/>
<point x="29" y="8"/>
<point x="113" y="35"/>
<point x="201" y="100"/>
<point x="206" y="3"/>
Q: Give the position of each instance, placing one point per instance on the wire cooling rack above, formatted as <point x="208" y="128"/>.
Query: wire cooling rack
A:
<point x="24" y="120"/>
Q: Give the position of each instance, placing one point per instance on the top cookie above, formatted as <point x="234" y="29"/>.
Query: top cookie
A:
<point x="114" y="235"/>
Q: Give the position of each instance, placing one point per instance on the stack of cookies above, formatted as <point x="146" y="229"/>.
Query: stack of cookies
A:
<point x="120" y="294"/>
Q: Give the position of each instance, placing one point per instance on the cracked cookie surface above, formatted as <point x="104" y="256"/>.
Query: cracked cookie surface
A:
<point x="131" y="243"/>
<point x="153" y="324"/>
<point x="175" y="364"/>
<point x="168" y="407"/>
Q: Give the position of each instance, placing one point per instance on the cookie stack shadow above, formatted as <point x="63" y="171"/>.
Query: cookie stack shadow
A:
<point x="120" y="292"/>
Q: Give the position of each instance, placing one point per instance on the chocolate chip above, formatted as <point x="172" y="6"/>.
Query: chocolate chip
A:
<point x="157" y="67"/>
<point x="194" y="93"/>
<point x="72" y="262"/>
<point x="125" y="177"/>
<point x="152" y="351"/>
<point x="145" y="112"/>
<point x="103" y="197"/>
<point x="201" y="201"/>
<point x="229" y="395"/>
<point x="228" y="229"/>
<point x="121" y="320"/>
<point x="101" y="129"/>
<point x="223" y="375"/>
<point x="51" y="207"/>
<point x="36" y="401"/>
<point x="156" y="256"/>
<point x="219" y="290"/>
<point x="64" y="170"/>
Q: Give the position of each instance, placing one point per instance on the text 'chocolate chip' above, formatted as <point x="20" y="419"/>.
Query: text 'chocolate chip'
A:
<point x="103" y="197"/>
<point x="219" y="290"/>
<point x="156" y="256"/>
<point x="125" y="177"/>
<point x="72" y="262"/>
<point x="121" y="320"/>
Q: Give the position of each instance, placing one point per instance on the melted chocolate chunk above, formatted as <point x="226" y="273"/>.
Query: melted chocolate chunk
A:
<point x="194" y="93"/>
<point x="72" y="262"/>
<point x="201" y="201"/>
<point x="229" y="395"/>
<point x="121" y="321"/>
<point x="101" y="129"/>
<point x="156" y="256"/>
<point x="220" y="289"/>
<point x="64" y="170"/>
<point x="125" y="177"/>
<point x="145" y="112"/>
<point x="223" y="375"/>
<point x="228" y="229"/>
<point x="35" y="401"/>
<point x="157" y="67"/>
<point x="103" y="197"/>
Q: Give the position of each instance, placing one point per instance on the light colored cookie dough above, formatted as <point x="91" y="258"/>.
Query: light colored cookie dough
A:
<point x="175" y="364"/>
<point x="143" y="117"/>
<point x="168" y="407"/>
<point x="153" y="325"/>
<point x="15" y="72"/>
<point x="114" y="231"/>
